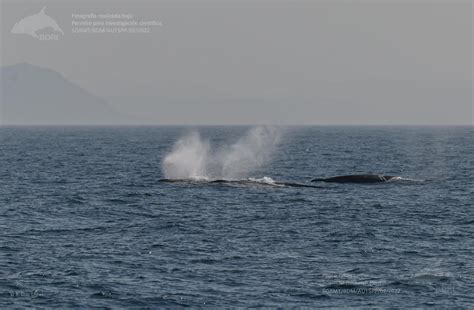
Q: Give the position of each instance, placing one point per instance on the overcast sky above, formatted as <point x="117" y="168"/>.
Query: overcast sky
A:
<point x="254" y="62"/>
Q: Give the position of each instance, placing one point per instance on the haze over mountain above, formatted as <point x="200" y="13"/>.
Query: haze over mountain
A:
<point x="257" y="62"/>
<point x="40" y="96"/>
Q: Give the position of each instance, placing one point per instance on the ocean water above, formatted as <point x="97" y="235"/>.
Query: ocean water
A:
<point x="87" y="221"/>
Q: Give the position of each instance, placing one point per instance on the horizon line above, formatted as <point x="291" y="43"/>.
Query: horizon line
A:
<point x="237" y="125"/>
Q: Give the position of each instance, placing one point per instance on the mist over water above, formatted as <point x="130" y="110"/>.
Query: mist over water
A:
<point x="192" y="157"/>
<point x="189" y="158"/>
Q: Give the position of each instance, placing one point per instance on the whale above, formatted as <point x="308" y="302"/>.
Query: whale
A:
<point x="358" y="178"/>
<point x="244" y="182"/>
<point x="36" y="22"/>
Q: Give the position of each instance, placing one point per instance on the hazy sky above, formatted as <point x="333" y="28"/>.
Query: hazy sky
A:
<point x="253" y="62"/>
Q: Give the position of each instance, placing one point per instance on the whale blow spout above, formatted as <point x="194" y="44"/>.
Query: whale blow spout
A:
<point x="357" y="178"/>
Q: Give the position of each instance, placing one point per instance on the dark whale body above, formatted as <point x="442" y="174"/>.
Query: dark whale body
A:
<point x="357" y="178"/>
<point x="237" y="182"/>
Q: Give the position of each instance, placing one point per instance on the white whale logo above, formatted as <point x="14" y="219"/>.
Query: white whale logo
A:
<point x="31" y="24"/>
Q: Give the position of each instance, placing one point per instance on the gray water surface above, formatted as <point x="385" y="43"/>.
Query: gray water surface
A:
<point x="86" y="222"/>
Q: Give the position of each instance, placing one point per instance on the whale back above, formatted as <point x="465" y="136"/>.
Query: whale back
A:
<point x="356" y="178"/>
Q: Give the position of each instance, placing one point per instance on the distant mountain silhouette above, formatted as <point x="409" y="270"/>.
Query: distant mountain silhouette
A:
<point x="34" y="95"/>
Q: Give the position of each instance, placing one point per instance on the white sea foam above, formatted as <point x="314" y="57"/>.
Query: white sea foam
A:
<point x="411" y="180"/>
<point x="265" y="180"/>
<point x="193" y="158"/>
<point x="394" y="179"/>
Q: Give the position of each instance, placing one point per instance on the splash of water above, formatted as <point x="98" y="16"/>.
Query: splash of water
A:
<point x="267" y="181"/>
<point x="193" y="158"/>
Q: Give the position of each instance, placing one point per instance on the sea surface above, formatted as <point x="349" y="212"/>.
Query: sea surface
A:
<point x="87" y="221"/>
